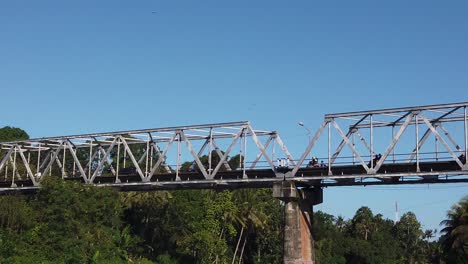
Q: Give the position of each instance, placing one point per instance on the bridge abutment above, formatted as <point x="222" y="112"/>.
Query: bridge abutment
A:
<point x="298" y="243"/>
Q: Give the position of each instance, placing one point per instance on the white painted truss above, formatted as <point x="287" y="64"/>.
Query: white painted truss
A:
<point x="147" y="153"/>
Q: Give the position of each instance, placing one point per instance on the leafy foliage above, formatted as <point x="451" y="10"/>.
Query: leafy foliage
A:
<point x="12" y="134"/>
<point x="67" y="222"/>
<point x="455" y="233"/>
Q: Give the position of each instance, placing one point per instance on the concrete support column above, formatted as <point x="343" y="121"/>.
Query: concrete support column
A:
<point x="298" y="246"/>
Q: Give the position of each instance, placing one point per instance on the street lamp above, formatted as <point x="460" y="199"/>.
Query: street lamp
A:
<point x="308" y="131"/>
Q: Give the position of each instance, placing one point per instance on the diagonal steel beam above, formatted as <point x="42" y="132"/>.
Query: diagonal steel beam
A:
<point x="95" y="153"/>
<point x="200" y="152"/>
<point x="309" y="147"/>
<point x="341" y="146"/>
<point x="426" y="135"/>
<point x="261" y="147"/>
<point x="140" y="160"/>
<point x="226" y="154"/>
<point x="101" y="149"/>
<point x="53" y="156"/>
<point x="45" y="161"/>
<point x="161" y="157"/>
<point x="450" y="138"/>
<point x="68" y="144"/>
<point x="195" y="156"/>
<point x="108" y="161"/>
<point x="402" y="129"/>
<point x="436" y="133"/>
<point x="363" y="163"/>
<point x="352" y="129"/>
<point x="158" y="152"/>
<point x="26" y="164"/>
<point x="135" y="163"/>
<point x="285" y="150"/>
<point x="400" y="118"/>
<point x="6" y="157"/>
<point x="220" y="155"/>
<point x="103" y="160"/>
<point x="363" y="140"/>
<point x="12" y="161"/>
<point x="260" y="153"/>
<point x="59" y="163"/>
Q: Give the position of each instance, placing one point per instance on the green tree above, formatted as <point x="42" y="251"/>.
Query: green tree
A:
<point x="12" y="134"/>
<point x="77" y="224"/>
<point x="455" y="233"/>
<point x="252" y="219"/>
<point x="410" y="234"/>
<point x="363" y="222"/>
<point x="207" y="241"/>
<point x="330" y="241"/>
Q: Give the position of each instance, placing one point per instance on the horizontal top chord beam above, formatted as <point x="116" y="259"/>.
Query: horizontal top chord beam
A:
<point x="397" y="110"/>
<point x="218" y="130"/>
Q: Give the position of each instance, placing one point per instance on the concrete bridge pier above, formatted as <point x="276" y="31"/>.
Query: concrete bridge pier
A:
<point x="298" y="243"/>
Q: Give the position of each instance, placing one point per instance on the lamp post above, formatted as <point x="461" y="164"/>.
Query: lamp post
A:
<point x="308" y="132"/>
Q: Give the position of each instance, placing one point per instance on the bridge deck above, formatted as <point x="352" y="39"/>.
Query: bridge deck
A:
<point x="398" y="173"/>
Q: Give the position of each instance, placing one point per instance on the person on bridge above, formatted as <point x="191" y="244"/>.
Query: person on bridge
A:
<point x="375" y="160"/>
<point x="462" y="158"/>
<point x="192" y="167"/>
<point x="322" y="164"/>
<point x="315" y="162"/>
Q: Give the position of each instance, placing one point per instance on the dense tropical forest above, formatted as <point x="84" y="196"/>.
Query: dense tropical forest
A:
<point x="67" y="222"/>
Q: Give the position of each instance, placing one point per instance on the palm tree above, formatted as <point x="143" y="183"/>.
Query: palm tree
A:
<point x="340" y="223"/>
<point x="250" y="218"/>
<point x="363" y="222"/>
<point x="455" y="233"/>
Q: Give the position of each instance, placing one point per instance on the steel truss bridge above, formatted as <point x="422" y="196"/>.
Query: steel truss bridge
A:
<point x="423" y="144"/>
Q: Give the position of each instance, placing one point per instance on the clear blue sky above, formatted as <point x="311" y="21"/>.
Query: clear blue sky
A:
<point x="69" y="67"/>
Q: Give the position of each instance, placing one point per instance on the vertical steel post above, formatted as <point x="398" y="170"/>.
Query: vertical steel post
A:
<point x="63" y="162"/>
<point x="436" y="146"/>
<point x="371" y="142"/>
<point x="245" y="152"/>
<point x="14" y="164"/>
<point x="51" y="164"/>
<point x="178" y="155"/>
<point x="393" y="150"/>
<point x="354" y="144"/>
<point x="147" y="155"/>
<point x="240" y="151"/>
<point x="151" y="157"/>
<point x="125" y="158"/>
<point x="99" y="156"/>
<point x="466" y="133"/>
<point x="74" y="162"/>
<point x="273" y="152"/>
<point x="417" y="142"/>
<point x="118" y="160"/>
<point x="90" y="157"/>
<point x="38" y="159"/>
<point x="329" y="148"/>
<point x="210" y="149"/>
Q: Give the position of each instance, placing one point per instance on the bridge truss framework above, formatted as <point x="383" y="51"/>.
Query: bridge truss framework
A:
<point x="151" y="159"/>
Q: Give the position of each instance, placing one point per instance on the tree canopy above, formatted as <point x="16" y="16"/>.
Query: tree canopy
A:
<point x="12" y="133"/>
<point x="68" y="222"/>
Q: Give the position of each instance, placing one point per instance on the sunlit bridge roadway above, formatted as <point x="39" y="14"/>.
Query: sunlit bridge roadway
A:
<point x="423" y="144"/>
